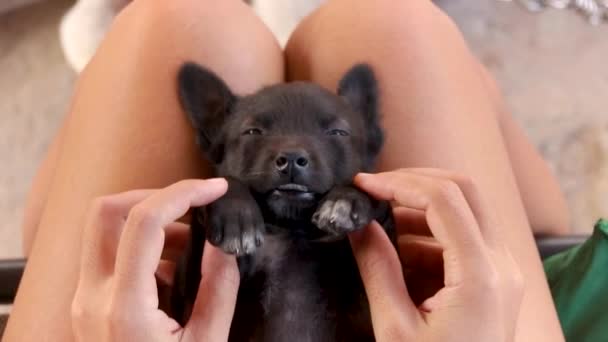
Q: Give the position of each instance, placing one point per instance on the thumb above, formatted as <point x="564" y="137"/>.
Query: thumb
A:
<point x="390" y="304"/>
<point x="214" y="306"/>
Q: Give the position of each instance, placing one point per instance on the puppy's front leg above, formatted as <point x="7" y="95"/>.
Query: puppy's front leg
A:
<point x="346" y="209"/>
<point x="343" y="210"/>
<point x="234" y="221"/>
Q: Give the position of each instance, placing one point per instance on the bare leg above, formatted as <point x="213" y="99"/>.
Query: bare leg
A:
<point x="438" y="109"/>
<point x="542" y="197"/>
<point x="126" y="130"/>
<point x="39" y="193"/>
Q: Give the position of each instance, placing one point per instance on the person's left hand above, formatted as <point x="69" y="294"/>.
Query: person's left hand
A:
<point x="116" y="298"/>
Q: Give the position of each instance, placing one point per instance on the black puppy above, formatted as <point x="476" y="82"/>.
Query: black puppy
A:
<point x="289" y="153"/>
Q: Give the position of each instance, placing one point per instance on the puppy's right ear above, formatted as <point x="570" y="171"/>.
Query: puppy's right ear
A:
<point x="207" y="101"/>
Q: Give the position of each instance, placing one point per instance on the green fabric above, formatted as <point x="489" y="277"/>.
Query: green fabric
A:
<point x="578" y="279"/>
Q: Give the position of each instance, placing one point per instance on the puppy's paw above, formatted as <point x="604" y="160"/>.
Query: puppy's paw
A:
<point x="343" y="210"/>
<point x="235" y="225"/>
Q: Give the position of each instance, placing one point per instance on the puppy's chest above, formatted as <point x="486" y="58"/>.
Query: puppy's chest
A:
<point x="304" y="291"/>
<point x="299" y="273"/>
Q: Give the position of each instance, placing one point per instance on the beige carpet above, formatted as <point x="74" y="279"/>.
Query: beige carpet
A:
<point x="35" y="84"/>
<point x="551" y="67"/>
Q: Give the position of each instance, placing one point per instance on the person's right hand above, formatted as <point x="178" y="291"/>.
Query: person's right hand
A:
<point x="482" y="285"/>
<point x="124" y="239"/>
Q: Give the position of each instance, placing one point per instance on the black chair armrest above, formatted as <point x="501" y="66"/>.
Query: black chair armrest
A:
<point x="10" y="276"/>
<point x="548" y="246"/>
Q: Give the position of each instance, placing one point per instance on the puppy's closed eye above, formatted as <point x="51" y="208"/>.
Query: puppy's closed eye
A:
<point x="253" y="131"/>
<point x="339" y="132"/>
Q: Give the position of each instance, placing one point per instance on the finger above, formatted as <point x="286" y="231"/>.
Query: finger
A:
<point x="488" y="226"/>
<point x="447" y="214"/>
<point x="382" y="277"/>
<point x="486" y="219"/>
<point x="216" y="299"/>
<point x="101" y="234"/>
<point x="410" y="221"/>
<point x="143" y="238"/>
<point x="177" y="235"/>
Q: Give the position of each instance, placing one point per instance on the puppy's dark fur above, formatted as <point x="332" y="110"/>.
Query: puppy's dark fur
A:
<point x="289" y="153"/>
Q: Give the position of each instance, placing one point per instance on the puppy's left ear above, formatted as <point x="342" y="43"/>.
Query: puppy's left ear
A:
<point x="360" y="89"/>
<point x="207" y="101"/>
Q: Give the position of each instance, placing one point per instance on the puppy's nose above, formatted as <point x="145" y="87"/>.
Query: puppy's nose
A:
<point x="288" y="160"/>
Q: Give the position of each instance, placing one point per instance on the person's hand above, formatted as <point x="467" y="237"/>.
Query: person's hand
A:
<point x="482" y="286"/>
<point x="116" y="298"/>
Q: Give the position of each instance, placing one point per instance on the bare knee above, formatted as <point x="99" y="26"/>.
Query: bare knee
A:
<point x="386" y="20"/>
<point x="226" y="36"/>
<point x="387" y="34"/>
<point x="419" y="57"/>
<point x="178" y="15"/>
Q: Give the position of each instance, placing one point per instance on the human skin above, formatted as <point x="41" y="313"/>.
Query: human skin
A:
<point x="481" y="281"/>
<point x="124" y="238"/>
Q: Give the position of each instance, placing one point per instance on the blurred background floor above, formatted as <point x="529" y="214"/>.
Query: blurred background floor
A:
<point x="551" y="68"/>
<point x="35" y="86"/>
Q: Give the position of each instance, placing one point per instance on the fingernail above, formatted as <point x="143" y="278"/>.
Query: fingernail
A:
<point x="361" y="175"/>
<point x="216" y="181"/>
